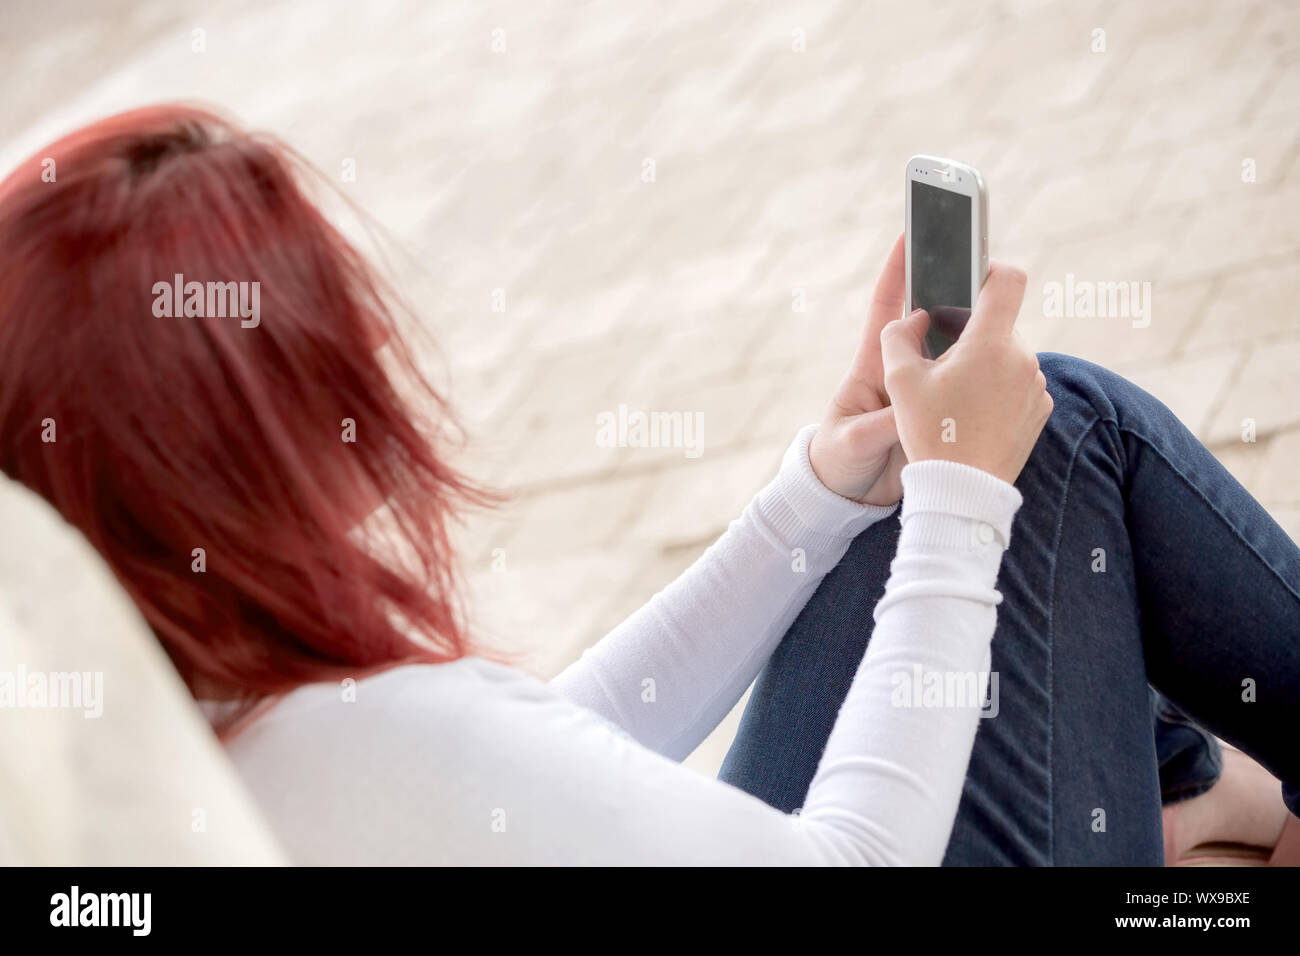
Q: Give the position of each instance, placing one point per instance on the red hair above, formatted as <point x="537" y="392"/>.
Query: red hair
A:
<point x="178" y="433"/>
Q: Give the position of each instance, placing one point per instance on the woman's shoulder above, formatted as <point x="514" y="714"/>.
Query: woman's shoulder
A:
<point x="421" y="696"/>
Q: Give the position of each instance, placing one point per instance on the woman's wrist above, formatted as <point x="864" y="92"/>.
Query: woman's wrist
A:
<point x="804" y="512"/>
<point x="975" y="502"/>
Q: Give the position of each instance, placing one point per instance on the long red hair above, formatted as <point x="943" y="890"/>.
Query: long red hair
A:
<point x="159" y="436"/>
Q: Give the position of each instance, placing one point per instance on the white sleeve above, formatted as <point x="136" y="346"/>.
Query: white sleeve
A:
<point x="892" y="773"/>
<point x="670" y="672"/>
<point x="890" y="779"/>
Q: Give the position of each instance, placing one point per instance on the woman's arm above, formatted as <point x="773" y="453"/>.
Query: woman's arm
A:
<point x="669" y="673"/>
<point x="889" y="782"/>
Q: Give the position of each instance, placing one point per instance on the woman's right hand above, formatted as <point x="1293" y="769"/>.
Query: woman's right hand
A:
<point x="983" y="402"/>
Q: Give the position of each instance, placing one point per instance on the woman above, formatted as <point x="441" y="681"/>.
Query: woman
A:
<point x="269" y="483"/>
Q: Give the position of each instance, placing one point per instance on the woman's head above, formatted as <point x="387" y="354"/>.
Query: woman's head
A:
<point x="191" y="373"/>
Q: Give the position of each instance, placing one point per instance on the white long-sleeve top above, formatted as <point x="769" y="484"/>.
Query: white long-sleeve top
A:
<point x="476" y="763"/>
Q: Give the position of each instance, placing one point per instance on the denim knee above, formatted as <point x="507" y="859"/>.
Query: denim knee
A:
<point x="1080" y="388"/>
<point x="1083" y="395"/>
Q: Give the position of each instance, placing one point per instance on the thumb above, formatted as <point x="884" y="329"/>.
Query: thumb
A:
<point x="901" y="341"/>
<point x="874" y="431"/>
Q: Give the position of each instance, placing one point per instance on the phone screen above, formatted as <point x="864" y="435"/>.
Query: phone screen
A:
<point x="941" y="262"/>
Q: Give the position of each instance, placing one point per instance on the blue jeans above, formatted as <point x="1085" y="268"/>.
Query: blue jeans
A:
<point x="1136" y="562"/>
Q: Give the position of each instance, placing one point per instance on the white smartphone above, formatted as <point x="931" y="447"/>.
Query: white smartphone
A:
<point x="947" y="245"/>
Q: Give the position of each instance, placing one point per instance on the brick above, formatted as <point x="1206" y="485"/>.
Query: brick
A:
<point x="1263" y="391"/>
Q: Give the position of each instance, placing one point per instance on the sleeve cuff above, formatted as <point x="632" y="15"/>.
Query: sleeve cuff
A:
<point x="807" y="514"/>
<point x="951" y="488"/>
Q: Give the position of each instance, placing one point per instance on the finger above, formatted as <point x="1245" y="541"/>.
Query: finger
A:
<point x="999" y="301"/>
<point x="886" y="306"/>
<point x="891" y="286"/>
<point x="873" y="431"/>
<point x="901" y="341"/>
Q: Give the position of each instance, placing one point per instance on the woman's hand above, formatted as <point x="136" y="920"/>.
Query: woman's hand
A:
<point x="855" y="452"/>
<point x="983" y="402"/>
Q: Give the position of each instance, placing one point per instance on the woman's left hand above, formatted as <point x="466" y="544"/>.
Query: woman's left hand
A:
<point x="855" y="452"/>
